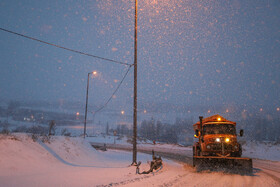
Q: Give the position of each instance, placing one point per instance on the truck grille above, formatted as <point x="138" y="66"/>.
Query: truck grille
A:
<point x="218" y="147"/>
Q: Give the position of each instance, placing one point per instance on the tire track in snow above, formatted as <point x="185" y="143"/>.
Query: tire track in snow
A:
<point x="268" y="168"/>
<point x="265" y="179"/>
<point x="276" y="179"/>
<point x="173" y="181"/>
<point x="130" y="181"/>
<point x="250" y="181"/>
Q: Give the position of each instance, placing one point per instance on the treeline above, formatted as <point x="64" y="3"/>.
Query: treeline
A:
<point x="181" y="132"/>
<point x="157" y="131"/>
<point x="261" y="129"/>
<point x="154" y="130"/>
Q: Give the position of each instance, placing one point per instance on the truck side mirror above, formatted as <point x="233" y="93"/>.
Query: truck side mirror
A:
<point x="241" y="132"/>
<point x="196" y="132"/>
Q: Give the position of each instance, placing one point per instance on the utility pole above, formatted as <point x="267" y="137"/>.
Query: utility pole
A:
<point x="85" y="122"/>
<point x="134" y="161"/>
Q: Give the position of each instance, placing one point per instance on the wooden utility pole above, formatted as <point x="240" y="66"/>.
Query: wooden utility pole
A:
<point x="134" y="161"/>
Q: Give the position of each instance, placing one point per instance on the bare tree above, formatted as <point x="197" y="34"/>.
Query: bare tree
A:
<point x="52" y="128"/>
<point x="13" y="105"/>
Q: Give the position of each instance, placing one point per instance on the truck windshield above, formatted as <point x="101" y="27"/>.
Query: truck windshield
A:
<point x="219" y="129"/>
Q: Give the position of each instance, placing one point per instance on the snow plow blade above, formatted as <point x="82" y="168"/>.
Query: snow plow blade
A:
<point x="227" y="164"/>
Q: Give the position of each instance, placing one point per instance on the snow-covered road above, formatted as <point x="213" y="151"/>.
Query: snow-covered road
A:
<point x="65" y="161"/>
<point x="265" y="173"/>
<point x="187" y="176"/>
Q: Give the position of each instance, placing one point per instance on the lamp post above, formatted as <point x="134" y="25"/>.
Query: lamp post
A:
<point x="134" y="159"/>
<point x="85" y="122"/>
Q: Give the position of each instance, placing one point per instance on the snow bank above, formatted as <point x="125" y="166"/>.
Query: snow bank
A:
<point x="68" y="161"/>
<point x="63" y="161"/>
<point x="264" y="150"/>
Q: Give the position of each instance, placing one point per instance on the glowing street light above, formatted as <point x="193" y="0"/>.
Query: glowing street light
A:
<point x="85" y="122"/>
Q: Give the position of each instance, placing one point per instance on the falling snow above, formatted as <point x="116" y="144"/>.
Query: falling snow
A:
<point x="193" y="56"/>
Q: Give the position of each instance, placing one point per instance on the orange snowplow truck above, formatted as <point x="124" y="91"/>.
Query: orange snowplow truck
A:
<point x="217" y="146"/>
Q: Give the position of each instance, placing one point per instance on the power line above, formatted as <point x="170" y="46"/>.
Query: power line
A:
<point x="61" y="47"/>
<point x="82" y="53"/>
<point x="102" y="107"/>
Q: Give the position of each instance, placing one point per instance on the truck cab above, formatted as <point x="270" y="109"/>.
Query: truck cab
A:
<point x="216" y="137"/>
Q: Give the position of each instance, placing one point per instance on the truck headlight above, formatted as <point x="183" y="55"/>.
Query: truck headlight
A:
<point x="218" y="140"/>
<point x="227" y="140"/>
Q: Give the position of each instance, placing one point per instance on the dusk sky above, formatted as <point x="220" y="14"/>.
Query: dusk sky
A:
<point x="190" y="53"/>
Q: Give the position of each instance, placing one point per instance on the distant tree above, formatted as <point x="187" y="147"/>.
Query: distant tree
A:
<point x="122" y="129"/>
<point x="107" y="128"/>
<point x="149" y="130"/>
<point x="143" y="129"/>
<point x="52" y="128"/>
<point x="64" y="132"/>
<point x="152" y="131"/>
<point x="12" y="106"/>
<point x="171" y="135"/>
<point x="118" y="130"/>
<point x="37" y="130"/>
<point x="5" y="127"/>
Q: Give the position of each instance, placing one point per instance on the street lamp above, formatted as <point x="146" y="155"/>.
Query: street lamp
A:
<point x="85" y="122"/>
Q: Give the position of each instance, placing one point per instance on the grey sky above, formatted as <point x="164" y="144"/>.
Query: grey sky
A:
<point x="190" y="52"/>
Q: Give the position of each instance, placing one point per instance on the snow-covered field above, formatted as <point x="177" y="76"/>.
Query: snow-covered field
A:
<point x="265" y="150"/>
<point x="68" y="161"/>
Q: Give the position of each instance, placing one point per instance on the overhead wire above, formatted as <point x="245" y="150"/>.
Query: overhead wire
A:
<point x="82" y="53"/>
<point x="68" y="49"/>
<point x="103" y="106"/>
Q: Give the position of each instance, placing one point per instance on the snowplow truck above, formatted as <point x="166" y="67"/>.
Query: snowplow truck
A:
<point x="217" y="147"/>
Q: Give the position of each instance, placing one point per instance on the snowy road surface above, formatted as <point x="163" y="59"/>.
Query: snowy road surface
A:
<point x="64" y="161"/>
<point x="266" y="173"/>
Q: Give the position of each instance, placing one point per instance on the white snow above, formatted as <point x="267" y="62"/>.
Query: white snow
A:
<point x="64" y="161"/>
<point x="264" y="150"/>
<point x="69" y="161"/>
